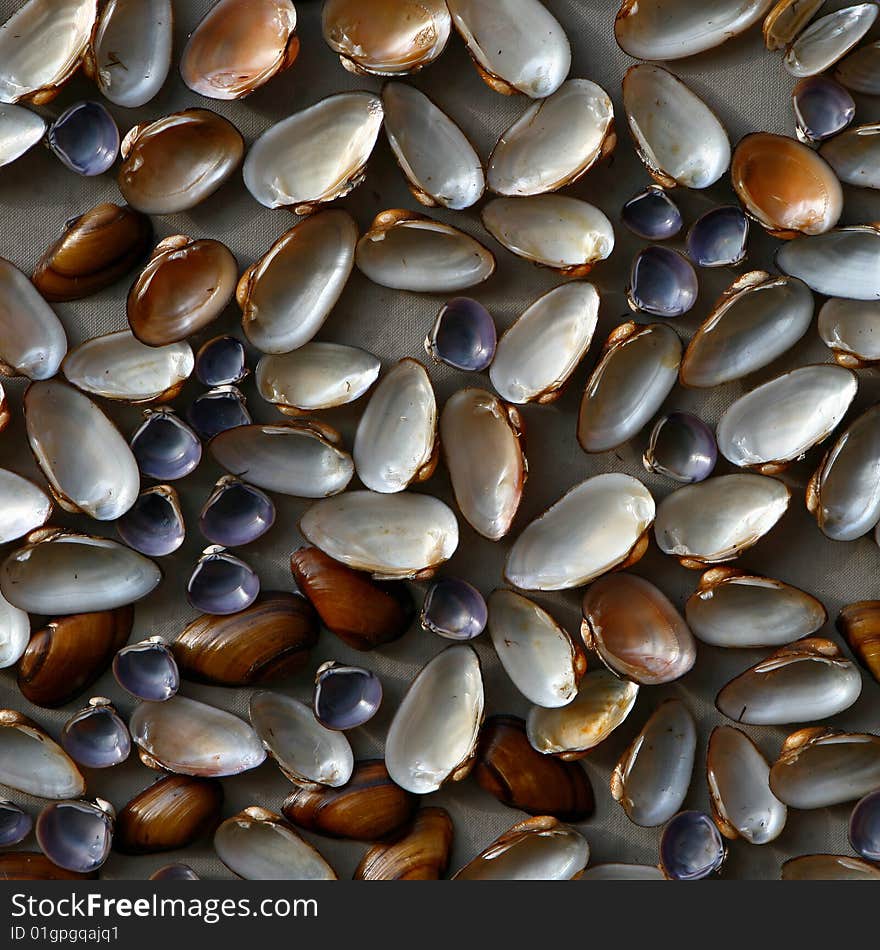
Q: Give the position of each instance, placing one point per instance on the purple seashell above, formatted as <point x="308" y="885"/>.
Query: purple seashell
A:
<point x="346" y="696"/>
<point x="454" y="609"/>
<point x="236" y="513"/>
<point x="662" y="282"/>
<point x="15" y="824"/>
<point x="85" y="138"/>
<point x="154" y="523"/>
<point x="222" y="583"/>
<point x="147" y="670"/>
<point x="864" y="827"/>
<point x="682" y="447"/>
<point x="822" y="108"/>
<point x="652" y="215"/>
<point x="719" y="237"/>
<point x="174" y="872"/>
<point x="165" y="447"/>
<point x="463" y="336"/>
<point x="218" y="410"/>
<point x="691" y="847"/>
<point x="96" y="737"/>
<point x="221" y="362"/>
<point x="75" y="835"/>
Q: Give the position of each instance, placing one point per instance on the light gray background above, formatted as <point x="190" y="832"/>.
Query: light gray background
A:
<point x="748" y="88"/>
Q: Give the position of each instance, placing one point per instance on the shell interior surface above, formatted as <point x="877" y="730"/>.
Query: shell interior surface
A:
<point x="718" y="238"/>
<point x="15" y="824"/>
<point x="682" y="447"/>
<point x="623" y="872"/>
<point x="864" y="827"/>
<point x="858" y="71"/>
<point x="147" y="670"/>
<point x="346" y="696"/>
<point x="829" y="39"/>
<point x="691" y="847"/>
<point x="463" y="336"/>
<point x="154" y="523"/>
<point x="652" y="215"/>
<point x="222" y="361"/>
<point x="823" y="109"/>
<point x="15" y="631"/>
<point x="785" y="22"/>
<point x="33" y="763"/>
<point x="217" y="410"/>
<point x="222" y="583"/>
<point x="829" y="867"/>
<point x="662" y="282"/>
<point x="454" y="609"/>
<point x="96" y="737"/>
<point x="25" y="506"/>
<point x="75" y="835"/>
<point x="20" y="130"/>
<point x="855" y="156"/>
<point x="174" y="872"/>
<point x="842" y="263"/>
<point x="84" y="138"/>
<point x="236" y="513"/>
<point x="165" y="447"/>
<point x="35" y="345"/>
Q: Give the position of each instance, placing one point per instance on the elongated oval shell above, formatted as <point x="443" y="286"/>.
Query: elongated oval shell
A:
<point x="855" y="156"/>
<point x="858" y="71"/>
<point x="32" y="339"/>
<point x="34" y="866"/>
<point x="422" y="854"/>
<point x="15" y="631"/>
<point x="829" y="39"/>
<point x="847" y="329"/>
<point x="786" y="21"/>
<point x="843" y="263"/>
<point x="20" y="130"/>
<point x="613" y="871"/>
<point x="25" y="506"/>
<point x="829" y="867"/>
<point x="31" y="762"/>
<point x="860" y="625"/>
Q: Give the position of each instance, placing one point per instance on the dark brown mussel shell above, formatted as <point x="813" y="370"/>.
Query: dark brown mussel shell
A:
<point x="69" y="654"/>
<point x="518" y="776"/>
<point x="362" y="612"/>
<point x="95" y="250"/>
<point x="269" y="641"/>
<point x="422" y="854"/>
<point x="860" y="625"/>
<point x="369" y="807"/>
<point x="32" y="866"/>
<point x="172" y="813"/>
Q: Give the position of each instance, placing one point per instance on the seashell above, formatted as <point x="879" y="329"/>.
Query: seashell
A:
<point x="306" y="752"/>
<point x="565" y="234"/>
<point x="345" y="697"/>
<point x="20" y="130"/>
<point x="537" y="849"/>
<point x="433" y="736"/>
<point x="743" y="804"/>
<point x="818" y="767"/>
<point x="864" y="827"/>
<point x="238" y="47"/>
<point x="766" y="429"/>
<point x="718" y="238"/>
<point x="822" y="109"/>
<point x="828" y="39"/>
<point x="361" y="612"/>
<point x="516" y="45"/>
<point x="84" y="138"/>
<point x="519" y="777"/>
<point x="805" y="681"/>
<point x="623" y="872"/>
<point x="602" y="704"/>
<point x="41" y="46"/>
<point x="76" y="835"/>
<point x="385" y="38"/>
<point x="147" y="670"/>
<point x="422" y="854"/>
<point x="463" y="336"/>
<point x="858" y="71"/>
<point x="636" y="630"/>
<point x="785" y="186"/>
<point x="743" y="509"/>
<point x="636" y="372"/>
<point x="316" y="376"/>
<point x="15" y="825"/>
<point x="33" y="866"/>
<point x="32" y="763"/>
<point x="391" y="536"/>
<point x="405" y="250"/>
<point x="597" y="526"/>
<point x="652" y="215"/>
<point x="32" y="339"/>
<point x="731" y="608"/>
<point x="198" y="276"/>
<point x="555" y="141"/>
<point x="682" y="447"/>
<point x="95" y="736"/>
<point x="678" y="29"/>
<point x="221" y="583"/>
<point x="691" y="847"/>
<point x="5" y="414"/>
<point x="268" y="641"/>
<point x="154" y="524"/>
<point x="174" y="872"/>
<point x="207" y="150"/>
<point x="187" y="737"/>
<point x="539" y="352"/>
<point x="258" y="845"/>
<point x="94" y="251"/>
<point x="172" y="813"/>
<point x="15" y="632"/>
<point x="287" y="166"/>
<point x="454" y="609"/>
<point x="758" y="318"/>
<point x="854" y="155"/>
<point x="165" y="447"/>
<point x="130" y="50"/>
<point x="236" y="513"/>
<point x="843" y="263"/>
<point x="858" y="623"/>
<point x="69" y="654"/>
<point x="221" y="361"/>
<point x="286" y="296"/>
<point x="828" y="867"/>
<point x="25" y="507"/>
<point x="368" y="808"/>
<point x="439" y="162"/>
<point x="217" y="410"/>
<point x="651" y="780"/>
<point x="662" y="282"/>
<point x="787" y="20"/>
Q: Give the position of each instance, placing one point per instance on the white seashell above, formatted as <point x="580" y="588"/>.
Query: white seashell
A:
<point x="315" y="155"/>
<point x="23" y="504"/>
<point x="554" y="142"/>
<point x="316" y="376"/>
<point x="433" y="735"/>
<point x="860" y="71"/>
<point x="20" y="130"/>
<point x="677" y="136"/>
<point x="780" y="421"/>
<point x="739" y="787"/>
<point x="623" y="872"/>
<point x="652" y="778"/>
<point x="32" y="339"/>
<point x="786" y="21"/>
<point x="439" y="162"/>
<point x="396" y="439"/>
<point x="517" y="45"/>
<point x="829" y="867"/>
<point x="404" y="250"/>
<point x="829" y="39"/>
<point x="67" y="573"/>
<point x="844" y="262"/>
<point x="15" y="631"/>
<point x="855" y="156"/>
<point x="565" y="234"/>
<point x="481" y="439"/>
<point x="637" y="371"/>
<point x="716" y="520"/>
<point x="803" y="682"/>
<point x="539" y="656"/>
<point x="536" y="356"/>
<point x="392" y="536"/>
<point x="595" y="527"/>
<point x="31" y="762"/>
<point x="848" y="328"/>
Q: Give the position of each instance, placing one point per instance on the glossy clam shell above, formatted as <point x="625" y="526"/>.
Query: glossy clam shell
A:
<point x="422" y="854"/>
<point x="843" y="263"/>
<point x="829" y="867"/>
<point x="822" y="110"/>
<point x="222" y="361"/>
<point x="784" y="23"/>
<point x="31" y="762"/>
<point x="662" y="282"/>
<point x="84" y="138"/>
<point x="165" y="447"/>
<point x="681" y="447"/>
<point x="858" y="623"/>
<point x="345" y="697"/>
<point x="20" y="130"/>
<point x="76" y="835"/>
<point x="612" y="871"/>
<point x="24" y="504"/>
<point x="15" y="632"/>
<point x="217" y="410"/>
<point x="174" y="872"/>
<point x="236" y="513"/>
<point x="652" y="215"/>
<point x="147" y="670"/>
<point x="858" y="71"/>
<point x="719" y="237"/>
<point x="454" y="609"/>
<point x="96" y="737"/>
<point x="222" y="583"/>
<point x="855" y="156"/>
<point x="463" y="336"/>
<point x="32" y="339"/>
<point x="15" y="824"/>
<point x="691" y="847"/>
<point x="33" y="866"/>
<point x="829" y="39"/>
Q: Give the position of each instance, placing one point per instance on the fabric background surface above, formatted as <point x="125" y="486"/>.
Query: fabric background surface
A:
<point x="750" y="91"/>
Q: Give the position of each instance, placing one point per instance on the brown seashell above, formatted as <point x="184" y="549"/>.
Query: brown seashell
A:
<point x="860" y="625"/>
<point x="362" y="612"/>
<point x="185" y="286"/>
<point x="268" y="641"/>
<point x="422" y="854"/>
<point x="69" y="654"/>
<point x="369" y="807"/>
<point x="5" y="413"/>
<point x="95" y="250"/>
<point x="519" y="777"/>
<point x="172" y="813"/>
<point x="32" y="866"/>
